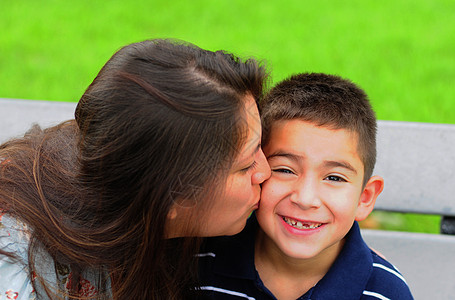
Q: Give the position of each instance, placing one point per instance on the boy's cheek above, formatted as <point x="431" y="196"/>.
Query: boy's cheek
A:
<point x="267" y="188"/>
<point x="343" y="204"/>
<point x="272" y="192"/>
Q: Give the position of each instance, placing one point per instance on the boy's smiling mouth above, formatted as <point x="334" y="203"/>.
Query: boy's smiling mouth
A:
<point x="301" y="224"/>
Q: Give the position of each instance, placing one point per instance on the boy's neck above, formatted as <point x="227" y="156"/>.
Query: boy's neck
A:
<point x="287" y="277"/>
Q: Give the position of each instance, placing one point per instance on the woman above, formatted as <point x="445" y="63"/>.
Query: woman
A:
<point x="165" y="144"/>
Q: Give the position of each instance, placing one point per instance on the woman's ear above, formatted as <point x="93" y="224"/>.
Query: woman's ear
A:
<point x="171" y="226"/>
<point x="370" y="193"/>
<point x="178" y="218"/>
<point x="172" y="214"/>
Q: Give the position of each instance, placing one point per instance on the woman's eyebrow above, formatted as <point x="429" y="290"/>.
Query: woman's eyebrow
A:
<point x="258" y="146"/>
<point x="252" y="154"/>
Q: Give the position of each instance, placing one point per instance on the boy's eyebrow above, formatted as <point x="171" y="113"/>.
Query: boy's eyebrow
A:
<point x="289" y="156"/>
<point x="327" y="163"/>
<point x="342" y="164"/>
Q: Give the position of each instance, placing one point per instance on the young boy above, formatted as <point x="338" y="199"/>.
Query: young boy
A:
<point x="319" y="136"/>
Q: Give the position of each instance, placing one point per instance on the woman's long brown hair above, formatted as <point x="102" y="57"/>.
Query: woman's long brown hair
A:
<point x="160" y="124"/>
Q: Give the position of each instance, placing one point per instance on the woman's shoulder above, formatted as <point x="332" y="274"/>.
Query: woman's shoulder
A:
<point x="14" y="235"/>
<point x="14" y="239"/>
<point x="14" y="272"/>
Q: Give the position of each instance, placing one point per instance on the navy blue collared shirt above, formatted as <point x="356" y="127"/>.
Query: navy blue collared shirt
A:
<point x="227" y="271"/>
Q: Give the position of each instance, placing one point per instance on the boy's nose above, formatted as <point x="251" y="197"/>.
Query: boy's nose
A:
<point x="305" y="195"/>
<point x="263" y="170"/>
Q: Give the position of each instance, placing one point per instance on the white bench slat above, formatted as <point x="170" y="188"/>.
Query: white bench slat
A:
<point x="427" y="261"/>
<point x="17" y="116"/>
<point x="417" y="161"/>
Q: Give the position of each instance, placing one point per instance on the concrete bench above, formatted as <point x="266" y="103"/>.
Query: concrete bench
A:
<point x="417" y="161"/>
<point x="17" y="116"/>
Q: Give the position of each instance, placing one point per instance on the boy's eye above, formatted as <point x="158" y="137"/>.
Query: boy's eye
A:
<point x="335" y="178"/>
<point x="282" y="170"/>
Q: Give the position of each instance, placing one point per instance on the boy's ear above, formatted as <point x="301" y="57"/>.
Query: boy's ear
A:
<point x="368" y="197"/>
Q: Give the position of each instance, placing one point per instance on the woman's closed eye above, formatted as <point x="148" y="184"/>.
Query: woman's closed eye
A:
<point x="250" y="167"/>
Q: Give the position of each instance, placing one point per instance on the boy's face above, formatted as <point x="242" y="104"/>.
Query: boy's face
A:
<point x="312" y="198"/>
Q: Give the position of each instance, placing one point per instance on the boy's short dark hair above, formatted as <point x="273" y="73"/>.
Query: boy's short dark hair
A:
<point x="325" y="100"/>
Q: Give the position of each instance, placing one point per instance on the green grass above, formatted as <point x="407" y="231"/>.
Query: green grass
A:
<point x="402" y="222"/>
<point x="401" y="52"/>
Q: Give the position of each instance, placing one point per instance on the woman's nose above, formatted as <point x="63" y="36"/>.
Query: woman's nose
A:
<point x="262" y="170"/>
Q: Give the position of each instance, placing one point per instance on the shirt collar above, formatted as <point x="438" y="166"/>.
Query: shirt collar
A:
<point x="348" y="276"/>
<point x="346" y="279"/>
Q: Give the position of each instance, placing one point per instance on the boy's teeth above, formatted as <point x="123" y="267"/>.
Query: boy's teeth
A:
<point x="300" y="225"/>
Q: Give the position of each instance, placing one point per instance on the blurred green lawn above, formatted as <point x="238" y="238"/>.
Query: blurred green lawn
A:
<point x="401" y="52"/>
